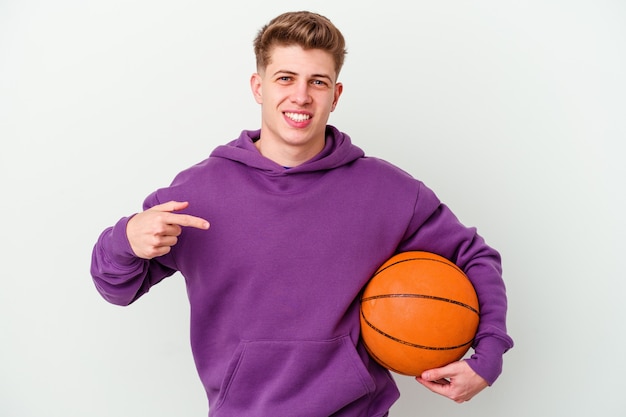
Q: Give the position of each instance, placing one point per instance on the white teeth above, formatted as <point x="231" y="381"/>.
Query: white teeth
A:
<point x="298" y="117"/>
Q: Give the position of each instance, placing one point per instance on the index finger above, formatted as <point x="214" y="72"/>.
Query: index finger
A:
<point x="187" y="220"/>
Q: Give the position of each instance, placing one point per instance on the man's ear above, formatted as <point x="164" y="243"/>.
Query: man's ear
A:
<point x="338" y="91"/>
<point x="256" y="86"/>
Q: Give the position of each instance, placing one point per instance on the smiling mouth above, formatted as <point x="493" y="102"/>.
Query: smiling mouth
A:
<point x="298" y="117"/>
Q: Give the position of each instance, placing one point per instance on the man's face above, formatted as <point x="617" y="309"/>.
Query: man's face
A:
<point x="297" y="91"/>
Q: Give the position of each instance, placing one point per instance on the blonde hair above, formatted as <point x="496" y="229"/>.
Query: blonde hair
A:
<point x="307" y="29"/>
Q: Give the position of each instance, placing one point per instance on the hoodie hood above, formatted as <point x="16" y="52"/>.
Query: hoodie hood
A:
<point x="338" y="150"/>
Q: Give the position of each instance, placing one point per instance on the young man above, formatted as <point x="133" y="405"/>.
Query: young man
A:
<point x="300" y="220"/>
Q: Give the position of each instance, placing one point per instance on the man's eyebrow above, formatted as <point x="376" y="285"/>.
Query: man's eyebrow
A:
<point x="323" y="76"/>
<point x="284" y="72"/>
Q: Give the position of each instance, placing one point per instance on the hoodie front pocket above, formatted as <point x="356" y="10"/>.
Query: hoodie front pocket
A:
<point x="292" y="378"/>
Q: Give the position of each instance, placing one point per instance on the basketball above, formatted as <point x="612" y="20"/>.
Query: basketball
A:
<point x="419" y="311"/>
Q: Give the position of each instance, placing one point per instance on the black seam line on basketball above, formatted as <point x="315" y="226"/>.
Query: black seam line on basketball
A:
<point x="404" y="342"/>
<point x="382" y="362"/>
<point x="429" y="297"/>
<point x="420" y="259"/>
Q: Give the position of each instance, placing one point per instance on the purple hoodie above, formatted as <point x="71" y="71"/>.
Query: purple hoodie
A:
<point x="274" y="284"/>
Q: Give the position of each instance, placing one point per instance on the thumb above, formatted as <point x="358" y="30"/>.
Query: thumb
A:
<point x="170" y="206"/>
<point x="436" y="374"/>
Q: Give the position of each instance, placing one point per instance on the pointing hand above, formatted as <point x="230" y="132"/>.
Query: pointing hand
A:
<point x="153" y="232"/>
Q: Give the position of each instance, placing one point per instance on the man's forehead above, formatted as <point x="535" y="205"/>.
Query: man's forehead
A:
<point x="295" y="60"/>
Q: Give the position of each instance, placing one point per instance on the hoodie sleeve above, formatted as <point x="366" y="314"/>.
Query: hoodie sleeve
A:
<point x="434" y="228"/>
<point x="120" y="276"/>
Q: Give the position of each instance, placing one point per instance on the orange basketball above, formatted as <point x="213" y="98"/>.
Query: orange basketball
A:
<point x="419" y="311"/>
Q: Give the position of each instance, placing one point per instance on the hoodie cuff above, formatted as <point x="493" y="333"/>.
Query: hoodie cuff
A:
<point x="117" y="245"/>
<point x="488" y="358"/>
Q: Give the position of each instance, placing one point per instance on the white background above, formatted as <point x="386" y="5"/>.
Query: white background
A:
<point x="512" y="111"/>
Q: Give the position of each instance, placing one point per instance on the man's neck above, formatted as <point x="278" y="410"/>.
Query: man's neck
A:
<point x="288" y="156"/>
